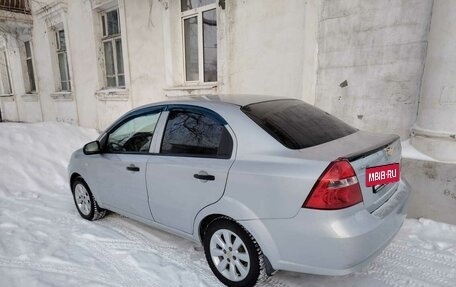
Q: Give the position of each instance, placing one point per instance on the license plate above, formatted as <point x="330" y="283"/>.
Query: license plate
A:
<point x="383" y="174"/>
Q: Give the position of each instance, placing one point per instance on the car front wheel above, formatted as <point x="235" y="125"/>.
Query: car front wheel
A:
<point x="233" y="254"/>
<point x="85" y="203"/>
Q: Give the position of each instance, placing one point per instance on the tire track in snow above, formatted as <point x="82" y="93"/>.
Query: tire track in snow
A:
<point x="175" y="255"/>
<point x="139" y="241"/>
<point x="274" y="282"/>
<point x="388" y="277"/>
<point x="432" y="275"/>
<point x="130" y="245"/>
<point x="134" y="278"/>
<point x="63" y="269"/>
<point x="398" y="266"/>
<point x="433" y="257"/>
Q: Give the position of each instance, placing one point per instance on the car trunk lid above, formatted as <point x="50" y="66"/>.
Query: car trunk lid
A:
<point x="385" y="154"/>
<point x="362" y="150"/>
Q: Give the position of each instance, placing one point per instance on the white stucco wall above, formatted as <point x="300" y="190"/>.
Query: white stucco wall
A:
<point x="154" y="58"/>
<point x="87" y="105"/>
<point x="44" y="73"/>
<point x="8" y="109"/>
<point x="435" y="130"/>
<point x="379" y="48"/>
<point x="146" y="51"/>
<point x="301" y="49"/>
<point x="84" y="61"/>
<point x="17" y="106"/>
<point x="271" y="48"/>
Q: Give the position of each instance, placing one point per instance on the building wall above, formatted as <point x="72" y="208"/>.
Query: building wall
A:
<point x="379" y="49"/>
<point x="43" y="66"/>
<point x="301" y="49"/>
<point x="17" y="106"/>
<point x="272" y="48"/>
<point x="249" y="36"/>
<point x="435" y="129"/>
<point x="146" y="51"/>
<point x="84" y="61"/>
<point x="433" y="189"/>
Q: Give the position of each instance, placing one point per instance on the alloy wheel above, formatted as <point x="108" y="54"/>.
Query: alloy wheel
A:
<point x="82" y="198"/>
<point x="229" y="255"/>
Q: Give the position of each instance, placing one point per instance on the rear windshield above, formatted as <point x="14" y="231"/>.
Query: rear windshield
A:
<point x="296" y="124"/>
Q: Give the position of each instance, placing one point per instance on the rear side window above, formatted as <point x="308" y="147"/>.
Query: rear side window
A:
<point x="190" y="133"/>
<point x="296" y="124"/>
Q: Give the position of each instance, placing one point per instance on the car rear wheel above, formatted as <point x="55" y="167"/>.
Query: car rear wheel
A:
<point x="85" y="203"/>
<point x="233" y="254"/>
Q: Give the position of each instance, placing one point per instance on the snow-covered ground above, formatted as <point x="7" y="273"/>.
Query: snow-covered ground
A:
<point x="44" y="241"/>
<point x="409" y="151"/>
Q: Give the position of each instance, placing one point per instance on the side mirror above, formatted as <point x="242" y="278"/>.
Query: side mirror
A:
<point x="92" y="148"/>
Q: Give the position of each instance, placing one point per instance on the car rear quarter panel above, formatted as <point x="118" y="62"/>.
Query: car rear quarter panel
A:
<point x="272" y="186"/>
<point x="266" y="180"/>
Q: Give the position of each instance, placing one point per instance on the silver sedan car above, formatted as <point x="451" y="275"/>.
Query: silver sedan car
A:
<point x="263" y="183"/>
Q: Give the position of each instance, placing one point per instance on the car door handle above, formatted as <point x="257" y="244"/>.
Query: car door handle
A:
<point x="202" y="176"/>
<point x="132" y="167"/>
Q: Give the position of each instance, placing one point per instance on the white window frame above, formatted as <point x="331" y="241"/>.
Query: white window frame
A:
<point x="198" y="12"/>
<point x="65" y="52"/>
<point x="112" y="38"/>
<point x="8" y="74"/>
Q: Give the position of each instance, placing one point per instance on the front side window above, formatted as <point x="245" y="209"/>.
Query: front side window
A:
<point x="133" y="136"/>
<point x="199" y="23"/>
<point x="62" y="58"/>
<point x="30" y="84"/>
<point x="190" y="133"/>
<point x="112" y="49"/>
<point x="4" y="74"/>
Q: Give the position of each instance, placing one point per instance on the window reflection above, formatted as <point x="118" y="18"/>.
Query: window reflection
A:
<point x="210" y="45"/>
<point x="192" y="134"/>
<point x="191" y="49"/>
<point x="113" y="22"/>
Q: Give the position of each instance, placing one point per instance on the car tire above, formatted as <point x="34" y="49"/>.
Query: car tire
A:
<point x="233" y="254"/>
<point x="85" y="202"/>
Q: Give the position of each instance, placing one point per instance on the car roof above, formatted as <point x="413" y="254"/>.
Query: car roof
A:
<point x="230" y="99"/>
<point x="211" y="101"/>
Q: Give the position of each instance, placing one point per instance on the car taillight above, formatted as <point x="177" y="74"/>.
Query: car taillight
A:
<point x="336" y="188"/>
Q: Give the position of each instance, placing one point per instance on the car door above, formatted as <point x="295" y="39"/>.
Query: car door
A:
<point x="191" y="166"/>
<point x="121" y="168"/>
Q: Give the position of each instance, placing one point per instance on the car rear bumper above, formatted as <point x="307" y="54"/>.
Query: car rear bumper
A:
<point x="331" y="242"/>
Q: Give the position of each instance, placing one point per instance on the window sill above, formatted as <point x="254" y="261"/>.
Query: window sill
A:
<point x="62" y="96"/>
<point x="32" y="97"/>
<point x="112" y="95"/>
<point x="189" y="89"/>
<point x="6" y="95"/>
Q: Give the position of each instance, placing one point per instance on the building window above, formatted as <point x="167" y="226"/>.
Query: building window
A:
<point x="199" y="26"/>
<point x="65" y="84"/>
<point x="112" y="48"/>
<point x="30" y="85"/>
<point x="4" y="74"/>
